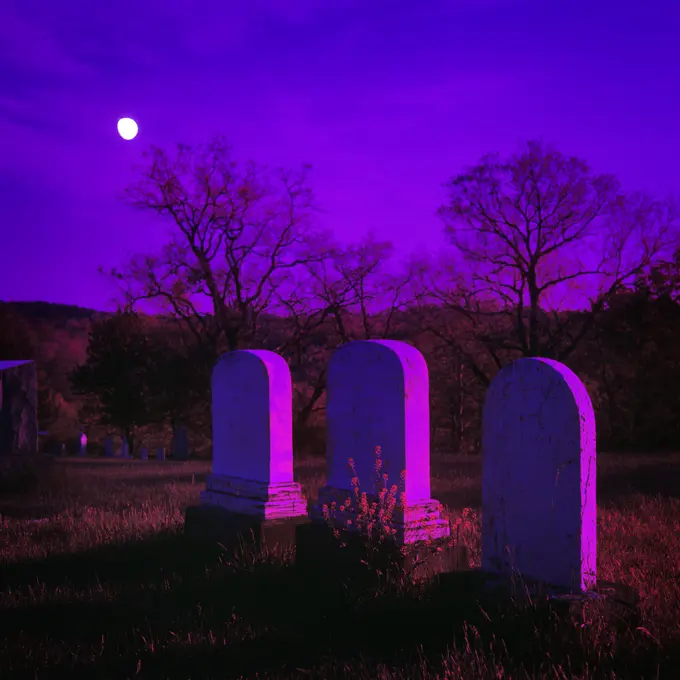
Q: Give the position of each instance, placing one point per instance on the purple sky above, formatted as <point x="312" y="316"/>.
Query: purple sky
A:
<point x="385" y="99"/>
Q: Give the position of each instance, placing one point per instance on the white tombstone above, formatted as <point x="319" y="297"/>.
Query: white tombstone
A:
<point x="82" y="449"/>
<point x="252" y="414"/>
<point x="378" y="395"/>
<point x="108" y="447"/>
<point x="160" y="453"/>
<point x="539" y="512"/>
<point x="124" y="448"/>
<point x="181" y="443"/>
<point x="145" y="454"/>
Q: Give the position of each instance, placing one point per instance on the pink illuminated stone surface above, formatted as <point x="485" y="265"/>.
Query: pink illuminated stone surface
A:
<point x="539" y="512"/>
<point x="253" y="437"/>
<point x="378" y="395"/>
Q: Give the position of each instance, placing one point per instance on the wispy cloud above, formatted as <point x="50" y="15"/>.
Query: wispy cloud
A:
<point x="29" y="44"/>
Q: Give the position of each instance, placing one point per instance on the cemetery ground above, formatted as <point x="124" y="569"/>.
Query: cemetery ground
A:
<point x="97" y="580"/>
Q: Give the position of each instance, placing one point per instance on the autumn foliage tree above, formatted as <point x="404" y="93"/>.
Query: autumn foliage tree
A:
<point x="16" y="342"/>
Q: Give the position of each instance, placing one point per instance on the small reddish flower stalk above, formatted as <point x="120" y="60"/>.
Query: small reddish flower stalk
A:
<point x="370" y="517"/>
<point x="374" y="518"/>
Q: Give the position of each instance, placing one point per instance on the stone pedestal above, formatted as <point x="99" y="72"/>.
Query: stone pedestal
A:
<point x="616" y="603"/>
<point x="259" y="499"/>
<point x="211" y="523"/>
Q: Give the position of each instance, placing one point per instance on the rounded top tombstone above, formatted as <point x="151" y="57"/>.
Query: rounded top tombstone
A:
<point x="252" y="417"/>
<point x="539" y="514"/>
<point x="378" y="395"/>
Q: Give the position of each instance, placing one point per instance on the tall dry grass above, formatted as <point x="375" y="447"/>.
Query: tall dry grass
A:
<point x="96" y="580"/>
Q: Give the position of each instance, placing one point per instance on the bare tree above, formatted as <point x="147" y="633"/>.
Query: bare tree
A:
<point x="245" y="266"/>
<point x="534" y="235"/>
<point x="346" y="294"/>
<point x="237" y="235"/>
<point x="360" y="292"/>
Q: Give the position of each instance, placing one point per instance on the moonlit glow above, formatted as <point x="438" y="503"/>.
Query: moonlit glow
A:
<point x="127" y="128"/>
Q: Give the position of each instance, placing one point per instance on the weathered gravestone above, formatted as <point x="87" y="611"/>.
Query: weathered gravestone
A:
<point x="18" y="407"/>
<point x="108" y="447"/>
<point x="160" y="453"/>
<point x="124" y="448"/>
<point x="539" y="513"/>
<point x="251" y="491"/>
<point x="144" y="454"/>
<point x="378" y="396"/>
<point x="181" y="444"/>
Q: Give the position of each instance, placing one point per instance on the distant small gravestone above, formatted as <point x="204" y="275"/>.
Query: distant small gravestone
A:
<point x="124" y="448"/>
<point x="539" y="514"/>
<point x="160" y="453"/>
<point x="145" y="454"/>
<point x="82" y="448"/>
<point x="108" y="447"/>
<point x="181" y="444"/>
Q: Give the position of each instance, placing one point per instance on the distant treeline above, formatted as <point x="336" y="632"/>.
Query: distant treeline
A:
<point x="143" y="376"/>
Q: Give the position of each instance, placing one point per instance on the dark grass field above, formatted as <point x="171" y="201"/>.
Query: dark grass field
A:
<point x="98" y="581"/>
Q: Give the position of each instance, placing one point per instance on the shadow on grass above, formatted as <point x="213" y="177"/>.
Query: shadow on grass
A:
<point x="116" y="563"/>
<point x="170" y="608"/>
<point x="173" y="620"/>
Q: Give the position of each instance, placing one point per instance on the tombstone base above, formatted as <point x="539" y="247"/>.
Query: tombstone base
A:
<point x="213" y="524"/>
<point x="324" y="554"/>
<point x="615" y="602"/>
<point x="271" y="501"/>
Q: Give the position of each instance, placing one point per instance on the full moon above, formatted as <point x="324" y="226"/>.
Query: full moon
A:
<point x="127" y="128"/>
